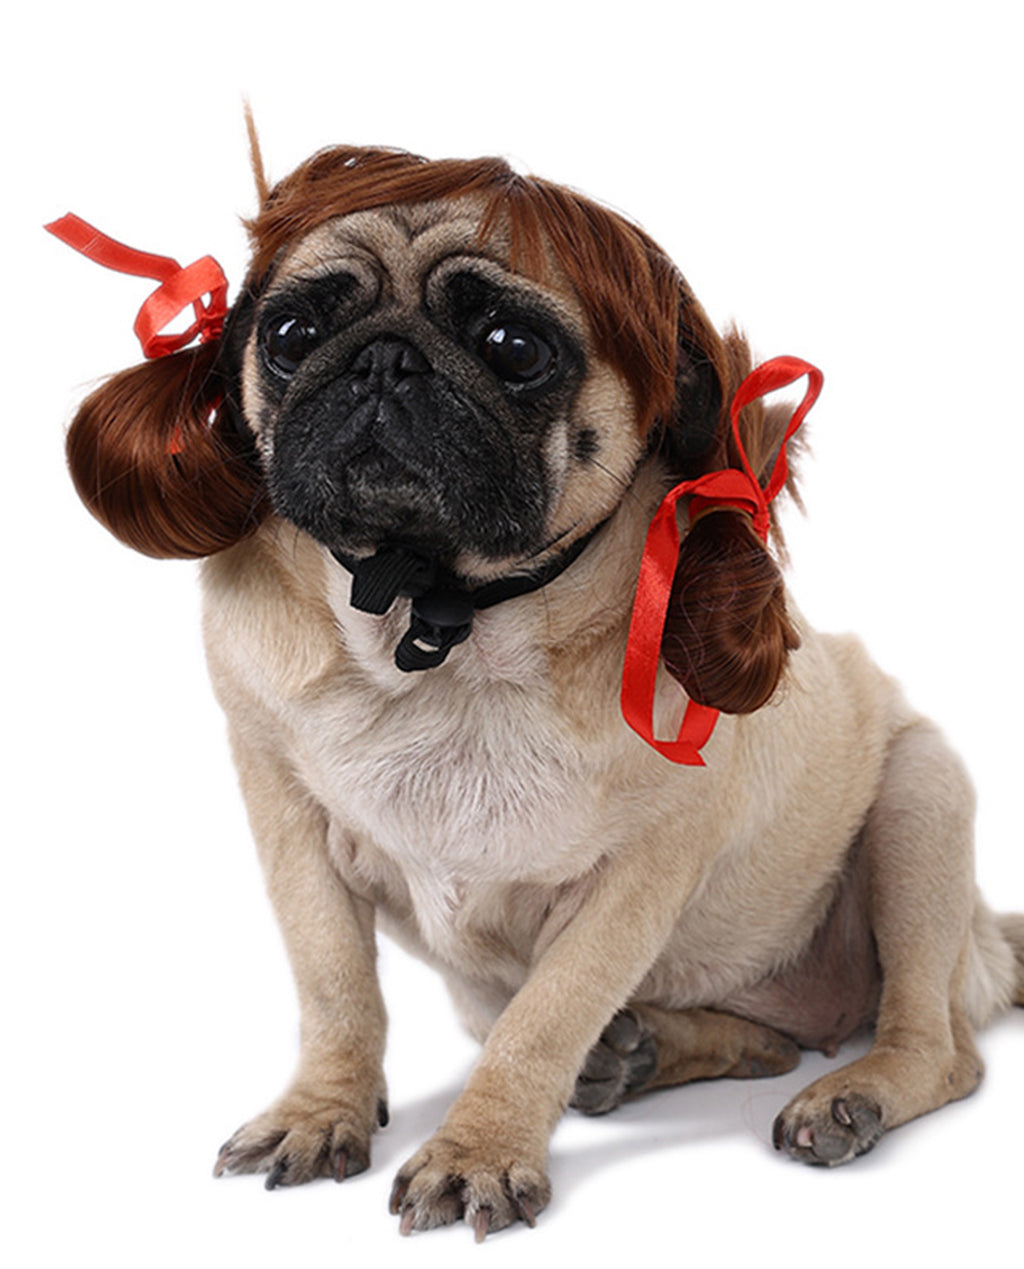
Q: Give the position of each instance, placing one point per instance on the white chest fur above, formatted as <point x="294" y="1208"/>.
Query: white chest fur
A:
<point x="467" y="781"/>
<point x="462" y="780"/>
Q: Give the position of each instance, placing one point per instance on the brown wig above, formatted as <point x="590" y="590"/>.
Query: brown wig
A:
<point x="154" y="459"/>
<point x="161" y="455"/>
<point x="727" y="634"/>
<point x="628" y="288"/>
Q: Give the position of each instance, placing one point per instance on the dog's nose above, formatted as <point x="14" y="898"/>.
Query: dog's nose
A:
<point x="386" y="363"/>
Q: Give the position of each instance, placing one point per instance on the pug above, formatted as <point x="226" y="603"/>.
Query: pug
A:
<point x="420" y="456"/>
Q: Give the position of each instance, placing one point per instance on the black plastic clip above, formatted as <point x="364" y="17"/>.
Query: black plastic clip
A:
<point x="439" y="621"/>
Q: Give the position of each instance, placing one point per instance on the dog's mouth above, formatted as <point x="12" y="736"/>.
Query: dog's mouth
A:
<point x="375" y="499"/>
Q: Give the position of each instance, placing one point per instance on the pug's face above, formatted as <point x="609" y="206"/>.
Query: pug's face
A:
<point x="406" y="387"/>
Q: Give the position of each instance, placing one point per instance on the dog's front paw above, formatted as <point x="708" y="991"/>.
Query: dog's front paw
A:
<point x="830" y="1130"/>
<point x="447" y="1181"/>
<point x="303" y="1136"/>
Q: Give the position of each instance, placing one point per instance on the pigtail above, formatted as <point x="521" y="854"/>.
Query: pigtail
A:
<point x="728" y="635"/>
<point x="155" y="458"/>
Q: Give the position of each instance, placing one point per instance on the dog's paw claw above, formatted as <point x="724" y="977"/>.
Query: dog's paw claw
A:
<point x="399" y="1189"/>
<point x="620" y="1064"/>
<point x="830" y="1134"/>
<point x="406" y="1224"/>
<point x="525" y="1211"/>
<point x="481" y="1223"/>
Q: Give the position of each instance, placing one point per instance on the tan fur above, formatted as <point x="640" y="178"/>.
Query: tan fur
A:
<point x="500" y="820"/>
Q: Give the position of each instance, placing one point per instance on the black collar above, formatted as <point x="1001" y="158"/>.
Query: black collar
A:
<point x="442" y="605"/>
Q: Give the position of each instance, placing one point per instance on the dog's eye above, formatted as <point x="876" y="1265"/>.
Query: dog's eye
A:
<point x="515" y="353"/>
<point x="287" y="342"/>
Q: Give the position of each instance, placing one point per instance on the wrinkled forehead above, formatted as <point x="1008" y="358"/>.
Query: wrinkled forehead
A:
<point x="403" y="249"/>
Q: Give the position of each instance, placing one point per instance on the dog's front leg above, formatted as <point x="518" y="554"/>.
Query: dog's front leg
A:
<point x="321" y="1125"/>
<point x="487" y="1161"/>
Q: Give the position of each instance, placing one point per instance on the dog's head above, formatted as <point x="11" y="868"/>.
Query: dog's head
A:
<point x="451" y="356"/>
<point x="443" y="356"/>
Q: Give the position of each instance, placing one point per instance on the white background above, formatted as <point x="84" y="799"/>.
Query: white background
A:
<point x="844" y="181"/>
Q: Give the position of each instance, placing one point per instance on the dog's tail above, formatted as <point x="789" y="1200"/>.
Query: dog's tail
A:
<point x="1012" y="929"/>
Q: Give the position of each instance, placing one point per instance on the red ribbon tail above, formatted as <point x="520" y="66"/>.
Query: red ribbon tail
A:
<point x="111" y="254"/>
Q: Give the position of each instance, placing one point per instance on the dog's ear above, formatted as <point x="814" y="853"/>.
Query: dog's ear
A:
<point x="690" y="437"/>
<point x="159" y="455"/>
<point x="727" y="635"/>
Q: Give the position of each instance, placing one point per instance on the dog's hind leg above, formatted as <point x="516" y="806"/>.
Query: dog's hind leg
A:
<point x="644" y="1047"/>
<point x="918" y="838"/>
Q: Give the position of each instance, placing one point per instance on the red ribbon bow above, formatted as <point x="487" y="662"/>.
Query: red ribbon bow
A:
<point x="180" y="288"/>
<point x="727" y="488"/>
